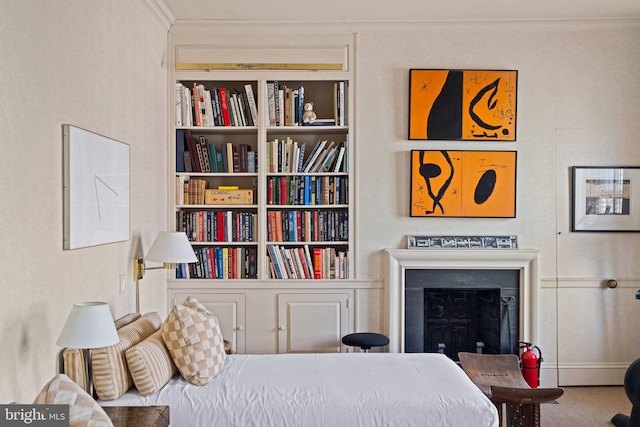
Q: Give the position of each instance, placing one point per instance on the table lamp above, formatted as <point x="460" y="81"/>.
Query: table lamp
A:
<point x="89" y="325"/>
<point x="169" y="248"/>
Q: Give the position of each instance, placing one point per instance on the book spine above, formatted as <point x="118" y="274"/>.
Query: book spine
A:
<point x="252" y="103"/>
<point x="224" y="106"/>
<point x="317" y="263"/>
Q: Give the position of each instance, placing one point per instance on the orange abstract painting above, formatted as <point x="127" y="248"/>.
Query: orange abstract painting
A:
<point x="465" y="105"/>
<point x="463" y="183"/>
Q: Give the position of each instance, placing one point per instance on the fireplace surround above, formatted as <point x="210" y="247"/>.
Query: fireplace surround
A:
<point x="526" y="261"/>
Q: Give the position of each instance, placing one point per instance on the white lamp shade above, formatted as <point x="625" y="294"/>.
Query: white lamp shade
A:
<point x="89" y="325"/>
<point x="171" y="247"/>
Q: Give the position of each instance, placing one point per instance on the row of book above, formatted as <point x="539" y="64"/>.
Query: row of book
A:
<point x="308" y="226"/>
<point x="221" y="263"/>
<point x="285" y="105"/>
<point x="287" y="156"/>
<point x="307" y="190"/>
<point x="201" y="155"/>
<point x="218" y="226"/>
<point x="305" y="263"/>
<point x="198" y="106"/>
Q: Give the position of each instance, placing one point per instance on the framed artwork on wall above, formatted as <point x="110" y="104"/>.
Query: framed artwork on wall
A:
<point x="463" y="183"/>
<point x="96" y="189"/>
<point x="606" y="198"/>
<point x="463" y="105"/>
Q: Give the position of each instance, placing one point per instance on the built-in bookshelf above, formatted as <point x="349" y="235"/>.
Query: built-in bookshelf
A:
<point x="261" y="192"/>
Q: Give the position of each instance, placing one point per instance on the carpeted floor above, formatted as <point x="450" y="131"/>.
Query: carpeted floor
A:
<point x="585" y="407"/>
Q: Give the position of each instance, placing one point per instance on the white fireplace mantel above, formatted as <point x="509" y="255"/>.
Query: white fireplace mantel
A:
<point x="525" y="260"/>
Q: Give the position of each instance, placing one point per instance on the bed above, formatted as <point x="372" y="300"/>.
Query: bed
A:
<point x="352" y="389"/>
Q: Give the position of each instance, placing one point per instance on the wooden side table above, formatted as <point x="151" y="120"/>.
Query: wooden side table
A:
<point x="138" y="416"/>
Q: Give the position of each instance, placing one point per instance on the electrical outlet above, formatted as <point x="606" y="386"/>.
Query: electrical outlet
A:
<point x="122" y="284"/>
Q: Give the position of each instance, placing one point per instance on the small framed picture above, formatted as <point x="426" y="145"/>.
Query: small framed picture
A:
<point x="606" y="198"/>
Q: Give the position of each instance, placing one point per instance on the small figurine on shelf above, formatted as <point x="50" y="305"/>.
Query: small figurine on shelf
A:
<point x="308" y="116"/>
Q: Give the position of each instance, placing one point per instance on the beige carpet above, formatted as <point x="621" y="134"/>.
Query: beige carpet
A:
<point x="584" y="407"/>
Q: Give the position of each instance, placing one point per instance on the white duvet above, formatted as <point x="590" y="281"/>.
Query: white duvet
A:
<point x="329" y="390"/>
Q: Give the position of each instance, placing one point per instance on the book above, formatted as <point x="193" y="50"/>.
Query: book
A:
<point x="314" y="154"/>
<point x="180" y="148"/>
<point x="317" y="263"/>
<point x="178" y="102"/>
<point x="252" y="103"/>
<point x="193" y="146"/>
<point x="271" y="103"/>
<point x="204" y="147"/>
<point x="229" y="167"/>
<point x="224" y="106"/>
<point x="196" y="105"/>
<point x="318" y="162"/>
<point x="213" y="156"/>
<point x="336" y="167"/>
<point x="276" y="100"/>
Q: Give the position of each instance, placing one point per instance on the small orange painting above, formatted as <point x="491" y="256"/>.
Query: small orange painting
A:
<point x="463" y="183"/>
<point x="465" y="105"/>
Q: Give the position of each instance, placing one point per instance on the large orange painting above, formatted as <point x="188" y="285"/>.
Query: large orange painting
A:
<point x="463" y="183"/>
<point x="465" y="105"/>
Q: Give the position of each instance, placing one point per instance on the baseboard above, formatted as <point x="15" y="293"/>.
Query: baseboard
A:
<point x="591" y="374"/>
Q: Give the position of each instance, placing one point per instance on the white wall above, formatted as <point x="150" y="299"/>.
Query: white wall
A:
<point x="99" y="65"/>
<point x="578" y="104"/>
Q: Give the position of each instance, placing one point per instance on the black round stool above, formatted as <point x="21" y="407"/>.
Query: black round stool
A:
<point x="365" y="340"/>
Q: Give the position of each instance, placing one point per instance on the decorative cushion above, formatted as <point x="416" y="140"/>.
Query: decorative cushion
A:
<point x="150" y="364"/>
<point x="74" y="366"/>
<point x="74" y="359"/>
<point x="83" y="410"/>
<point x="111" y="377"/>
<point x="126" y="319"/>
<point x="194" y="342"/>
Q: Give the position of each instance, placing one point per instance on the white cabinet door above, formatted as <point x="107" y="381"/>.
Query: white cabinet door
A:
<point x="312" y="322"/>
<point x="230" y="311"/>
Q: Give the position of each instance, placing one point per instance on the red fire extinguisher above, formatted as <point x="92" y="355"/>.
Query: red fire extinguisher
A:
<point x="530" y="362"/>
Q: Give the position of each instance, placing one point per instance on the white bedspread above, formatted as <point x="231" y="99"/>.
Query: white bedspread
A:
<point x="329" y="390"/>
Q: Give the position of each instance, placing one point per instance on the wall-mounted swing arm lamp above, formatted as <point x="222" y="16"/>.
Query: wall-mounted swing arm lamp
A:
<point x="169" y="248"/>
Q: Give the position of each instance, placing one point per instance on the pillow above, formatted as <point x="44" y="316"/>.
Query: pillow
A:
<point x="111" y="378"/>
<point x="194" y="342"/>
<point x="126" y="319"/>
<point x="74" y="359"/>
<point x="75" y="367"/>
<point x="150" y="364"/>
<point x="83" y="410"/>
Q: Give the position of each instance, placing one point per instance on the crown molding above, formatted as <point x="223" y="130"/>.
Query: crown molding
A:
<point x="162" y="12"/>
<point x="275" y="27"/>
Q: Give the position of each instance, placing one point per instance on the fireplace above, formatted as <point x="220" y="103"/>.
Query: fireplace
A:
<point x="523" y="263"/>
<point x="454" y="310"/>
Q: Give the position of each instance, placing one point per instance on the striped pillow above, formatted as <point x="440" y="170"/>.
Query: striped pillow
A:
<point x="83" y="410"/>
<point x="194" y="342"/>
<point x="111" y="378"/>
<point x="150" y="364"/>
<point x="74" y="358"/>
<point x="74" y="366"/>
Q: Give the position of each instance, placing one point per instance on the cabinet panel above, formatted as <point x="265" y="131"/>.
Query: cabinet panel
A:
<point x="230" y="311"/>
<point x="312" y="323"/>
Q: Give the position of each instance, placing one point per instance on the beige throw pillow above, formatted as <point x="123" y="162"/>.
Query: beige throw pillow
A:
<point x="83" y="410"/>
<point x="111" y="376"/>
<point x="195" y="342"/>
<point x="150" y="364"/>
<point x="74" y="359"/>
